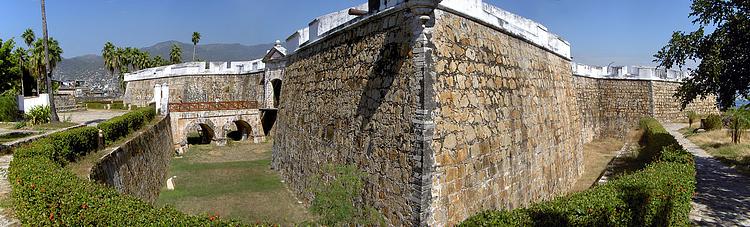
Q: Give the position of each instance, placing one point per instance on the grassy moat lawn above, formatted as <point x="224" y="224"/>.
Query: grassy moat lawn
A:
<point x="719" y="144"/>
<point x="235" y="182"/>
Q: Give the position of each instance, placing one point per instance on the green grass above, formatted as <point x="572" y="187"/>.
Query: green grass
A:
<point x="718" y="143"/>
<point x="234" y="181"/>
<point x="52" y="126"/>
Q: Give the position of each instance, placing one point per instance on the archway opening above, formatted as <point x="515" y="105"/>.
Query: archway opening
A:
<point x="276" y="84"/>
<point x="240" y="131"/>
<point x="200" y="134"/>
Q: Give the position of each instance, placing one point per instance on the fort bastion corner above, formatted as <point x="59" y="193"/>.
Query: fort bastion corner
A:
<point x="450" y="107"/>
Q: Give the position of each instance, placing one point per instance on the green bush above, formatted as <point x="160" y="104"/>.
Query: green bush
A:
<point x="8" y="108"/>
<point x="46" y="194"/>
<point x="121" y="126"/>
<point x="658" y="195"/>
<point x="39" y="115"/>
<point x="335" y="198"/>
<point x="713" y="122"/>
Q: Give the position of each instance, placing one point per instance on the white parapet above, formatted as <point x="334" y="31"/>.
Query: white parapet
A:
<point x="629" y="72"/>
<point x="157" y="98"/>
<point x="28" y="103"/>
<point x="490" y="15"/>
<point x="197" y="68"/>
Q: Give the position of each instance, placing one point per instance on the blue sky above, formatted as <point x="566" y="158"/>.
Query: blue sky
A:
<point x="600" y="31"/>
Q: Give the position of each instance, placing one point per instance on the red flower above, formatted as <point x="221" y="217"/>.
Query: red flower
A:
<point x="51" y="216"/>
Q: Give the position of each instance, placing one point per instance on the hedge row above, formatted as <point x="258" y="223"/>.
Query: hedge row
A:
<point x="658" y="195"/>
<point x="121" y="126"/>
<point x="45" y="193"/>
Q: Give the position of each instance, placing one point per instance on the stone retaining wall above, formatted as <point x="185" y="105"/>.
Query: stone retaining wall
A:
<point x="202" y="88"/>
<point x="609" y="107"/>
<point x="349" y="99"/>
<point x="667" y="107"/>
<point x="506" y="124"/>
<point x="139" y="166"/>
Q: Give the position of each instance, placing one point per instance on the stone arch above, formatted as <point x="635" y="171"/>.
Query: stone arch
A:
<point x="240" y="130"/>
<point x="205" y="128"/>
<point x="276" y="92"/>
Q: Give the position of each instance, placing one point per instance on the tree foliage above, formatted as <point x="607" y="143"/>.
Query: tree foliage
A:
<point x="724" y="54"/>
<point x="739" y="121"/>
<point x="10" y="72"/>
<point x="118" y="60"/>
<point x="196" y="38"/>
<point x="175" y="55"/>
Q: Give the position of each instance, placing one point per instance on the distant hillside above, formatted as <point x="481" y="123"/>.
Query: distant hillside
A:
<point x="90" y="68"/>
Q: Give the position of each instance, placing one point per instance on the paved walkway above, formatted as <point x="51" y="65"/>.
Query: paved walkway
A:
<point x="722" y="194"/>
<point x="5" y="191"/>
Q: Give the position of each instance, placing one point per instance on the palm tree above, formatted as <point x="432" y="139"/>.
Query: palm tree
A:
<point x="196" y="39"/>
<point x="28" y="37"/>
<point x="175" y="56"/>
<point x="48" y="70"/>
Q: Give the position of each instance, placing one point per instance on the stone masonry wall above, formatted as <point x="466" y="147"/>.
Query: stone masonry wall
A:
<point x="139" y="166"/>
<point x="349" y="99"/>
<point x="246" y="87"/>
<point x="667" y="107"/>
<point x="589" y="97"/>
<point x="623" y="104"/>
<point x="609" y="107"/>
<point x="507" y="123"/>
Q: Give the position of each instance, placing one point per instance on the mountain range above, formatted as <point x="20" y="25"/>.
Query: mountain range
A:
<point x="90" y="68"/>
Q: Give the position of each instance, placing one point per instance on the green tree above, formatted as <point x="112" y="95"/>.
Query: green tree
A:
<point x="196" y="39"/>
<point x="724" y="54"/>
<point x="739" y="122"/>
<point x="10" y="72"/>
<point x="28" y="37"/>
<point x="39" y="57"/>
<point x="175" y="55"/>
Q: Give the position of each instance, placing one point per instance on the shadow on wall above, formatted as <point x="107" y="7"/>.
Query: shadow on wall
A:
<point x="379" y="82"/>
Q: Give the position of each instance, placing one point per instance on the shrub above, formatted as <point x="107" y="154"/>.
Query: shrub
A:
<point x="8" y="108"/>
<point x="713" y="122"/>
<point x="336" y="196"/>
<point x="121" y="126"/>
<point x="46" y="194"/>
<point x="658" y="195"/>
<point x="39" y="115"/>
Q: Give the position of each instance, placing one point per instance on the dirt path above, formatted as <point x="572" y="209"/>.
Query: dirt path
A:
<point x="722" y="194"/>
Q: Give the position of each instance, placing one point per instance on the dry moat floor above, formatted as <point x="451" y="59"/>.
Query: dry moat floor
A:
<point x="235" y="182"/>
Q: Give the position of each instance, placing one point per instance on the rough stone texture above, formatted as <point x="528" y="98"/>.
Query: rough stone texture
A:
<point x="211" y="88"/>
<point x="139" y="166"/>
<point x="610" y="106"/>
<point x="350" y="99"/>
<point x="667" y="107"/>
<point x="506" y="126"/>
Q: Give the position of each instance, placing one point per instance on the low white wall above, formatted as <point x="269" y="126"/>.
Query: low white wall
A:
<point x="28" y="103"/>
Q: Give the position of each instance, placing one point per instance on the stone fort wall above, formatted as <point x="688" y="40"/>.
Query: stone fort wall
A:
<point x="349" y="99"/>
<point x="506" y="124"/>
<point x="199" y="88"/>
<point x="139" y="166"/>
<point x="609" y="107"/>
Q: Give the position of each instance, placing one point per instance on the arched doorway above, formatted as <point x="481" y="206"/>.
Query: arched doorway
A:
<point x="240" y="131"/>
<point x="200" y="133"/>
<point x="276" y="85"/>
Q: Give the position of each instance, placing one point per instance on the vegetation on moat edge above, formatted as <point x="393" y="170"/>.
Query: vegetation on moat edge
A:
<point x="44" y="193"/>
<point x="658" y="195"/>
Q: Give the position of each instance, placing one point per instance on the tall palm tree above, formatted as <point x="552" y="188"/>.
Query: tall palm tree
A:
<point x="28" y="37"/>
<point x="196" y="39"/>
<point x="175" y="56"/>
<point x="48" y="70"/>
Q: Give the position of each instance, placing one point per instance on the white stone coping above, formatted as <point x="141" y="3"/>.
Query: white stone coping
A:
<point x="197" y="68"/>
<point x="490" y="15"/>
<point x="629" y="72"/>
<point x="516" y="25"/>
